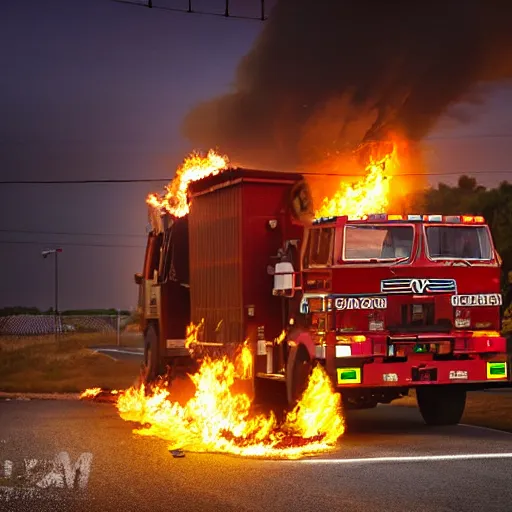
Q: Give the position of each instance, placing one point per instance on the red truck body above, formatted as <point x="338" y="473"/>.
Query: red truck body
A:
<point x="231" y="243"/>
<point x="382" y="303"/>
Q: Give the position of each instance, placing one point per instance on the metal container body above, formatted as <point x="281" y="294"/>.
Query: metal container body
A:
<point x="215" y="223"/>
<point x="233" y="237"/>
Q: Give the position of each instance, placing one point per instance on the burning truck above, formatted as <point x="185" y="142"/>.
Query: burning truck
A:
<point x="384" y="302"/>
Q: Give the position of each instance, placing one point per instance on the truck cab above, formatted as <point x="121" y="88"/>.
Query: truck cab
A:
<point x="394" y="302"/>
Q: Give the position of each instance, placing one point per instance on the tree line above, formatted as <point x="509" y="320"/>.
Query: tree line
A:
<point x="468" y="197"/>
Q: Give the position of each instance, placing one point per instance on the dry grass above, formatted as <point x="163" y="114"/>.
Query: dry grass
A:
<point x="483" y="409"/>
<point x="42" y="364"/>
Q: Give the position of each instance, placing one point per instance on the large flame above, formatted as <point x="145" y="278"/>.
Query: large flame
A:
<point x="218" y="420"/>
<point x="369" y="195"/>
<point x="193" y="168"/>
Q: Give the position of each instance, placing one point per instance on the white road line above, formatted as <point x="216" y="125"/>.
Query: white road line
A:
<point x="486" y="428"/>
<point x="106" y="355"/>
<point x="118" y="351"/>
<point x="416" y="458"/>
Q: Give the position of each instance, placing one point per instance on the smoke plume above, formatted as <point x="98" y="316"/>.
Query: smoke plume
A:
<point x="326" y="75"/>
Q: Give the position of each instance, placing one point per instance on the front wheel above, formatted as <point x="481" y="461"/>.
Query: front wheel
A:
<point x="441" y="405"/>
<point x="298" y="370"/>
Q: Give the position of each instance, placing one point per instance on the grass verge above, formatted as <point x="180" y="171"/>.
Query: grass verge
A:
<point x="41" y="364"/>
<point x="483" y="409"/>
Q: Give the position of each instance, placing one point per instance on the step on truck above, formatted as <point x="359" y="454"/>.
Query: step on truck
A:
<point x="386" y="303"/>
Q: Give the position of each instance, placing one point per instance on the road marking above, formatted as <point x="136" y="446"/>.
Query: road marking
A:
<point x="133" y="353"/>
<point x="485" y="428"/>
<point x="416" y="458"/>
<point x="106" y="355"/>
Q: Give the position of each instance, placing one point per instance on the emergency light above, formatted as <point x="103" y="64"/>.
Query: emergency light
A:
<point x="386" y="217"/>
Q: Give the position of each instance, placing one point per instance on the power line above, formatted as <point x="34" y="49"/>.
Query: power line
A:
<point x="455" y="173"/>
<point x="166" y="180"/>
<point x="191" y="10"/>
<point x="34" y="232"/>
<point x="82" y="182"/>
<point x="130" y="142"/>
<point x="73" y="244"/>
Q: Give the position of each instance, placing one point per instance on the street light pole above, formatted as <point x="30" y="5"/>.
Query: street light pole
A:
<point x="56" y="277"/>
<point x="56" y="283"/>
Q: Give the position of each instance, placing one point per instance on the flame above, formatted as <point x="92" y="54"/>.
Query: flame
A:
<point x="369" y="195"/>
<point x="281" y="337"/>
<point x="244" y="362"/>
<point x="217" y="420"/>
<point x="192" y="333"/>
<point x="90" y="393"/>
<point x="193" y="168"/>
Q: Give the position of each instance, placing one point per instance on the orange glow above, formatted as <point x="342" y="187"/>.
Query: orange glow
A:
<point x="280" y="338"/>
<point x="98" y="393"/>
<point x="218" y="420"/>
<point x="370" y="194"/>
<point x="90" y="393"/>
<point x="244" y="362"/>
<point x="356" y="338"/>
<point x="469" y="219"/>
<point x="485" y="334"/>
<point x="193" y="168"/>
<point x="192" y="333"/>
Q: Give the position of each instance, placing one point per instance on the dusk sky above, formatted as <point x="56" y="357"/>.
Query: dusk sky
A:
<point x="96" y="89"/>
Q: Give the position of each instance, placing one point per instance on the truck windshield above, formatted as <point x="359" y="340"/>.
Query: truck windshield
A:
<point x="458" y="242"/>
<point x="377" y="242"/>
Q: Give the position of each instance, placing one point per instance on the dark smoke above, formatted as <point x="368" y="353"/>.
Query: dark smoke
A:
<point x="326" y="75"/>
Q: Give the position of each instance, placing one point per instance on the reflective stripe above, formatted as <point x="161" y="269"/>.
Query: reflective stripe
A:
<point x="496" y="370"/>
<point x="349" y="375"/>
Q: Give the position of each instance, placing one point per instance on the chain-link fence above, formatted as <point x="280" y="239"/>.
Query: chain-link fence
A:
<point x="119" y="329"/>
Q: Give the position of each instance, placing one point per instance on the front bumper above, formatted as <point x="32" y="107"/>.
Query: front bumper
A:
<point x="418" y="373"/>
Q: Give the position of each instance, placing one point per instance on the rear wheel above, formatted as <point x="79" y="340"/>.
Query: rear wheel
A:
<point x="441" y="405"/>
<point x="151" y="369"/>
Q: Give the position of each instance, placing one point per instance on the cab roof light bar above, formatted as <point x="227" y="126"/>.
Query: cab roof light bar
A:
<point x="385" y="217"/>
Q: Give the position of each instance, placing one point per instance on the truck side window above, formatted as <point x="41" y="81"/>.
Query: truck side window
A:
<point x="320" y="246"/>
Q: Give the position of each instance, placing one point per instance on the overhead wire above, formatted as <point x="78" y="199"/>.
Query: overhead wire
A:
<point x="305" y="173"/>
<point x="70" y="233"/>
<point x="191" y="10"/>
<point x="72" y="244"/>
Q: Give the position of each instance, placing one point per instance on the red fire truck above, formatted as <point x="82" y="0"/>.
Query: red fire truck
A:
<point x="386" y="304"/>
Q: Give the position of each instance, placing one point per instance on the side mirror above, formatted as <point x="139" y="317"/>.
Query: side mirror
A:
<point x="284" y="279"/>
<point x="137" y="278"/>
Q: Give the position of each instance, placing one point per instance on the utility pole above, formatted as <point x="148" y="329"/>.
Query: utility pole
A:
<point x="45" y="254"/>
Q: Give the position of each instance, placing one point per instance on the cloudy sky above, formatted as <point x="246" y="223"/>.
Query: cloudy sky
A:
<point x="96" y="89"/>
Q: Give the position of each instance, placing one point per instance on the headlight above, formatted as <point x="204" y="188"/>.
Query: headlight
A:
<point x="343" y="351"/>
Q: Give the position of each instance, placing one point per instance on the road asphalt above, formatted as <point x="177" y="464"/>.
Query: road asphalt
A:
<point x="387" y="460"/>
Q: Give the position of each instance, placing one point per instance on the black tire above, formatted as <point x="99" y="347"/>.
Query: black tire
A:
<point x="298" y="371"/>
<point x="152" y="368"/>
<point x="268" y="392"/>
<point x="441" y="405"/>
